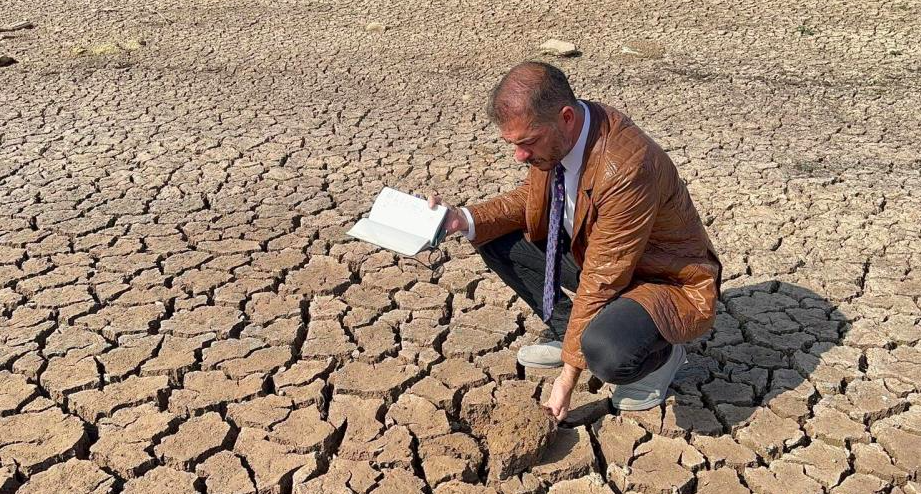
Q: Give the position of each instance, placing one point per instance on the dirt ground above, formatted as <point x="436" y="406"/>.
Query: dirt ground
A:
<point x="180" y="310"/>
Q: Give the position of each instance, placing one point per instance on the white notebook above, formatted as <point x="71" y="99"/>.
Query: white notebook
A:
<point x="401" y="222"/>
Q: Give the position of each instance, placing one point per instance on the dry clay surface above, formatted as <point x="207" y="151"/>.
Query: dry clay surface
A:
<point x="180" y="310"/>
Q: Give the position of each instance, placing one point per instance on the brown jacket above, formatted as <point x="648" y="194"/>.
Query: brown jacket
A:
<point x="636" y="233"/>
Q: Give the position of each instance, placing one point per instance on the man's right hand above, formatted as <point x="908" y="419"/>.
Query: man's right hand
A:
<point x="456" y="221"/>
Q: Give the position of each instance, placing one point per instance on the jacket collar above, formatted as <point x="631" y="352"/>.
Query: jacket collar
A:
<point x="597" y="121"/>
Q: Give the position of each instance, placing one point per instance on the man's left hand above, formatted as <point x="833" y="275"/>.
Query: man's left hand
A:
<point x="561" y="394"/>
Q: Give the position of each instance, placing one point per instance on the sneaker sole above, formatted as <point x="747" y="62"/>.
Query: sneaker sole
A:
<point x="646" y="405"/>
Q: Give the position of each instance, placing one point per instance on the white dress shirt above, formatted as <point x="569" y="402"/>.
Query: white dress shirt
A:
<point x="572" y="165"/>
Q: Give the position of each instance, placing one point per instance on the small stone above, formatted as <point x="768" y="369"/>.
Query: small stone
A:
<point x="375" y="27"/>
<point x="559" y="48"/>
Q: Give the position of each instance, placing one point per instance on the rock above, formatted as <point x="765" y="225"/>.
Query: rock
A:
<point x="224" y="473"/>
<point x="71" y="476"/>
<point x="375" y="27"/>
<point x="475" y="409"/>
<point x="34" y="441"/>
<point x="517" y="437"/>
<point x="559" y="48"/>
<point x="161" y="480"/>
<point x="16" y="26"/>
<point x="196" y="439"/>
<point x="568" y="456"/>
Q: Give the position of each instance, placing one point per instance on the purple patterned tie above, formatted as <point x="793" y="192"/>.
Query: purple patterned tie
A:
<point x="552" y="271"/>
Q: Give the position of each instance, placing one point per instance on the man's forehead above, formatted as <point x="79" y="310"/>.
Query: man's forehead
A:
<point x="519" y="129"/>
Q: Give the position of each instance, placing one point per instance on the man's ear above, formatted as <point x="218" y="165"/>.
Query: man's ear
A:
<point x="568" y="114"/>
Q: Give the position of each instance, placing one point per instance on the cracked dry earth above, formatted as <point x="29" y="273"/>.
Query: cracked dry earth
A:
<point x="180" y="310"/>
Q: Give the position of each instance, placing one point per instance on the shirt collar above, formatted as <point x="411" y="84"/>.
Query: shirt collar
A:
<point x="573" y="161"/>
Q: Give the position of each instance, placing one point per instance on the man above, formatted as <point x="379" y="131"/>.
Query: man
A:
<point x="603" y="213"/>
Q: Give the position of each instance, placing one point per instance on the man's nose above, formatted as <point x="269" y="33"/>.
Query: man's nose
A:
<point x="521" y="154"/>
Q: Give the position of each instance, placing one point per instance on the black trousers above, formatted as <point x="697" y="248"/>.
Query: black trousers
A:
<point x="621" y="344"/>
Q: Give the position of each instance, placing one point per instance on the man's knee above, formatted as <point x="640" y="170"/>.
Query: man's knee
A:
<point x="612" y="363"/>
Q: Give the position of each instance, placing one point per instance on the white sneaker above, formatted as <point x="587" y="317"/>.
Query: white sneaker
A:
<point x="542" y="356"/>
<point x="651" y="390"/>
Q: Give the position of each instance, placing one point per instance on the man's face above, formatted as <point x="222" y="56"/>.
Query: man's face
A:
<point x="539" y="145"/>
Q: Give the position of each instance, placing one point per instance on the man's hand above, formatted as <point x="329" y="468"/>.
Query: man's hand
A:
<point x="561" y="394"/>
<point x="456" y="221"/>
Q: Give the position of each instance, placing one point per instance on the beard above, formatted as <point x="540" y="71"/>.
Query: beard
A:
<point x="558" y="148"/>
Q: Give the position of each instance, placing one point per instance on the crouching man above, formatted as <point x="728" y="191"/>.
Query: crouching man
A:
<point x="603" y="213"/>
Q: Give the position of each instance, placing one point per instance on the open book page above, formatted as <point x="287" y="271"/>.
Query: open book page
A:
<point x="407" y="213"/>
<point x="388" y="237"/>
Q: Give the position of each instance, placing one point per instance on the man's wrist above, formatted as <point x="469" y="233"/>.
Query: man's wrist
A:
<point x="571" y="373"/>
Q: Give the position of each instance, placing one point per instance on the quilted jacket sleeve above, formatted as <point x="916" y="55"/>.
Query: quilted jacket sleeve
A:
<point x="500" y="215"/>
